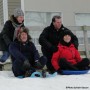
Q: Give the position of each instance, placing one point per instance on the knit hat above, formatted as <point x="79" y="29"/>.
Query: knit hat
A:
<point x="18" y="12"/>
<point x="67" y="32"/>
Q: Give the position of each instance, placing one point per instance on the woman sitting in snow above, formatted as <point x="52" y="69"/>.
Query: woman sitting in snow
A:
<point x="67" y="57"/>
<point x="25" y="57"/>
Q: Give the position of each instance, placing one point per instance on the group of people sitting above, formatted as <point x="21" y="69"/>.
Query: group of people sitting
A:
<point x="58" y="44"/>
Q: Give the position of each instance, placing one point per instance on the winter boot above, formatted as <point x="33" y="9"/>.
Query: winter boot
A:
<point x="28" y="74"/>
<point x="43" y="73"/>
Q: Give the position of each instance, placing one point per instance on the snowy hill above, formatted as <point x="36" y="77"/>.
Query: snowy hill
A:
<point x="60" y="82"/>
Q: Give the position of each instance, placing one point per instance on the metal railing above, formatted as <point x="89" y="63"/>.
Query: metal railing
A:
<point x="82" y="32"/>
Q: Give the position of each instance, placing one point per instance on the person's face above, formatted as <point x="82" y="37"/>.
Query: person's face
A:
<point x="67" y="38"/>
<point x="23" y="37"/>
<point x="57" y="24"/>
<point x="20" y="19"/>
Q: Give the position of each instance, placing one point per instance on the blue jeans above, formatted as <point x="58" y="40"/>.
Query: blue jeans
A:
<point x="5" y="56"/>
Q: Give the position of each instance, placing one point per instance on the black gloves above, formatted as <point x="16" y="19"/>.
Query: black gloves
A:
<point x="54" y="49"/>
<point x="38" y="65"/>
<point x="26" y="65"/>
<point x="59" y="71"/>
<point x="76" y="45"/>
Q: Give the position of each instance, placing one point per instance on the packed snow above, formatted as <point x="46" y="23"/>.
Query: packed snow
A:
<point x="59" y="82"/>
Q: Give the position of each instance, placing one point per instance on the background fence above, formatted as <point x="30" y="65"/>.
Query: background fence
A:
<point x="82" y="32"/>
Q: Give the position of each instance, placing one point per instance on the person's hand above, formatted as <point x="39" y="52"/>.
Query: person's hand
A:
<point x="54" y="49"/>
<point x="76" y="45"/>
<point x="38" y="65"/>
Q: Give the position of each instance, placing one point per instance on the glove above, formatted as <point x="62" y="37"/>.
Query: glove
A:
<point x="26" y="65"/>
<point x="54" y="49"/>
<point x="59" y="71"/>
<point x="76" y="45"/>
<point x="38" y="65"/>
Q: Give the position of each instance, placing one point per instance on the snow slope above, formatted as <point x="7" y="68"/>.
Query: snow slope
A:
<point x="60" y="82"/>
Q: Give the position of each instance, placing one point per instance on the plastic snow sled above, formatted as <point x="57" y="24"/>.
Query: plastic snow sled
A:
<point x="71" y="72"/>
<point x="36" y="74"/>
<point x="39" y="74"/>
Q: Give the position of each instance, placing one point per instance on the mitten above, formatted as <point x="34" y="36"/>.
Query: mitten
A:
<point x="38" y="65"/>
<point x="76" y="45"/>
<point x="54" y="49"/>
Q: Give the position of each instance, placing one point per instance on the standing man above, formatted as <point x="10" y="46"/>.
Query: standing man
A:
<point x="50" y="38"/>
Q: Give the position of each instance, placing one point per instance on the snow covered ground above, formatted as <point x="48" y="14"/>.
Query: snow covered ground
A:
<point x="60" y="82"/>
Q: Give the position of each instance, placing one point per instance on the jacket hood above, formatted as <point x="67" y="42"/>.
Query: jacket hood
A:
<point x="14" y="20"/>
<point x="66" y="32"/>
<point x="65" y="43"/>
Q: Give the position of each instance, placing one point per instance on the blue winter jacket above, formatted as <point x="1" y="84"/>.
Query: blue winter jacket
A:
<point x="21" y="51"/>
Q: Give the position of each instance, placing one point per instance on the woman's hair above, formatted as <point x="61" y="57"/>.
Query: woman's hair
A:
<point x="25" y="30"/>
